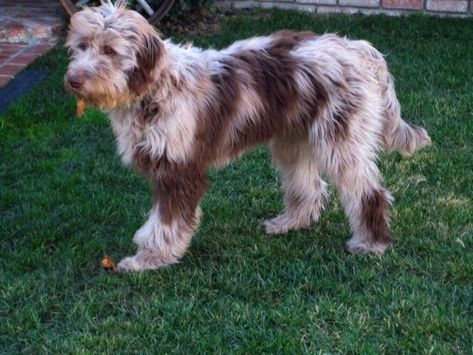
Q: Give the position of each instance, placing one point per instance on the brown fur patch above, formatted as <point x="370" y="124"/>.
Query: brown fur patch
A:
<point x="287" y="39"/>
<point x="146" y="60"/>
<point x="144" y="164"/>
<point x="214" y="120"/>
<point x="374" y="215"/>
<point x="272" y="77"/>
<point x="341" y="117"/>
<point x="318" y="99"/>
<point x="178" y="189"/>
<point x="149" y="109"/>
<point x="283" y="92"/>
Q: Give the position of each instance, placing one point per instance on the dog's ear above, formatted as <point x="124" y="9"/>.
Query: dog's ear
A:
<point x="147" y="58"/>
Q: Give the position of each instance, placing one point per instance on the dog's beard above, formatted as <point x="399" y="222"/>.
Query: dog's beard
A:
<point x="100" y="96"/>
<point x="104" y="84"/>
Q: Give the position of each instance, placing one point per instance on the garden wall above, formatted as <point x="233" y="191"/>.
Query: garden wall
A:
<point x="388" y="7"/>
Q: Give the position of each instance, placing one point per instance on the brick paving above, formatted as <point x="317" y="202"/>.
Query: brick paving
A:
<point x="14" y="57"/>
<point x="28" y="30"/>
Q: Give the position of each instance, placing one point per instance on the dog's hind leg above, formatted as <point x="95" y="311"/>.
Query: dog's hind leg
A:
<point x="175" y="215"/>
<point x="353" y="170"/>
<point x="305" y="191"/>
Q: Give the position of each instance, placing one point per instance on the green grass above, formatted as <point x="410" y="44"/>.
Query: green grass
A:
<point x="66" y="201"/>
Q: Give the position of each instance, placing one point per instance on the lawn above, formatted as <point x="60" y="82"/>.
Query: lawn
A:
<point x="66" y="201"/>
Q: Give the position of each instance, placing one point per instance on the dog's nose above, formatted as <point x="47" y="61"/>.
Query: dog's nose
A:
<point x="75" y="81"/>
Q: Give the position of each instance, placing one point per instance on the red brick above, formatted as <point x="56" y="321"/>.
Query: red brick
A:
<point x="17" y="32"/>
<point x="5" y="46"/>
<point x="15" y="45"/>
<point x="10" y="69"/>
<point x="25" y="59"/>
<point x="39" y="49"/>
<point x="23" y="19"/>
<point x="404" y="4"/>
<point x="4" y="58"/>
<point x="40" y="32"/>
<point x="10" y="52"/>
<point x="10" y="21"/>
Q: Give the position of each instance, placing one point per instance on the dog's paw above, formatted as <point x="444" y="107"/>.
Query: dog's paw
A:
<point x="129" y="264"/>
<point x="144" y="260"/>
<point x="275" y="226"/>
<point x="283" y="224"/>
<point x="355" y="246"/>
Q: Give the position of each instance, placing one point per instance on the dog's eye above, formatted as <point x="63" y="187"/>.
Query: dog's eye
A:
<point x="82" y="46"/>
<point x="108" y="50"/>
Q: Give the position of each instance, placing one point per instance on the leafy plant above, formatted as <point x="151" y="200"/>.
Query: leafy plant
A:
<point x="183" y="7"/>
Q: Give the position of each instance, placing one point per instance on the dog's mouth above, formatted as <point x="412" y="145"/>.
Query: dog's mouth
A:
<point x="78" y="92"/>
<point x="97" y="99"/>
<point x="70" y="89"/>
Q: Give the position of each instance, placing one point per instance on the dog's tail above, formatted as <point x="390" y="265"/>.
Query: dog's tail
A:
<point x="399" y="135"/>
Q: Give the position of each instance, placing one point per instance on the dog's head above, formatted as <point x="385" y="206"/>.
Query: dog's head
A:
<point x="114" y="54"/>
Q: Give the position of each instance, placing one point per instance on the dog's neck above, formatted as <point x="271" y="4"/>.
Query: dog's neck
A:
<point x="183" y="67"/>
<point x="180" y="71"/>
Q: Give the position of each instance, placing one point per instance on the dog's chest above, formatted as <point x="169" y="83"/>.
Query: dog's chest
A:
<point x="168" y="137"/>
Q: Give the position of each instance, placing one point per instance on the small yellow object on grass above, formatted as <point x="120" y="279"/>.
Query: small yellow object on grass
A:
<point x="80" y="108"/>
<point x="108" y="264"/>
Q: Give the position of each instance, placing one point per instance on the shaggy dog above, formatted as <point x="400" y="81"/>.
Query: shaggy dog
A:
<point x="324" y="104"/>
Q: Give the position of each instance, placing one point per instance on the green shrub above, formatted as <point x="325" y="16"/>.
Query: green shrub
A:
<point x="192" y="5"/>
<point x="183" y="7"/>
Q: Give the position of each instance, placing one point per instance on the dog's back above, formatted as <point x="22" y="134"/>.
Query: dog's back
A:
<point x="299" y="82"/>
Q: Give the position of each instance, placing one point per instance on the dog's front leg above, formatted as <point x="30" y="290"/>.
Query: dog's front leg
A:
<point x="165" y="237"/>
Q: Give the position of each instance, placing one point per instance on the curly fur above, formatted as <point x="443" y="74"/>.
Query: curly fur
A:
<point x="324" y="104"/>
